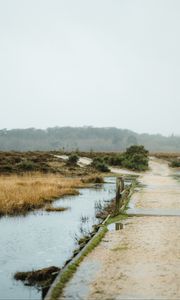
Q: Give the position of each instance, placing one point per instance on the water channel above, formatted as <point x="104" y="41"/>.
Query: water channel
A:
<point x="42" y="239"/>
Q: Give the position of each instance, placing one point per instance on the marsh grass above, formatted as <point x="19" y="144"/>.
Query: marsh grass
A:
<point x="51" y="208"/>
<point x="20" y="194"/>
<point x="95" y="178"/>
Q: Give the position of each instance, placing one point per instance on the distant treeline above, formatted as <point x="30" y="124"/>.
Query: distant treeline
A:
<point x="84" y="139"/>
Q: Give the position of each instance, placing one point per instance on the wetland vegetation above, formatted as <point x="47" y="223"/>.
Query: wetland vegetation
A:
<point x="20" y="194"/>
<point x="32" y="180"/>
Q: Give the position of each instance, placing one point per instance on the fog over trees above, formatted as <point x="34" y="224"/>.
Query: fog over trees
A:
<point x="83" y="138"/>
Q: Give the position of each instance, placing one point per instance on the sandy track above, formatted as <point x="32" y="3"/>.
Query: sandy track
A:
<point x="85" y="161"/>
<point x="142" y="261"/>
<point x="161" y="190"/>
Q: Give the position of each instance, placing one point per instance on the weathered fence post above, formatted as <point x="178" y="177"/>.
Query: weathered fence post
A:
<point x="119" y="189"/>
<point x="118" y="226"/>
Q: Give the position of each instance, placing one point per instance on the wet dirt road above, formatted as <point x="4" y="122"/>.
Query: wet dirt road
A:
<point x="141" y="261"/>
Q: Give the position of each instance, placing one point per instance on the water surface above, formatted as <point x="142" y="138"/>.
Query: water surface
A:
<point x="42" y="239"/>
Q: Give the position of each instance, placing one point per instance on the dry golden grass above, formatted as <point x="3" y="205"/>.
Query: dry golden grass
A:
<point x="96" y="178"/>
<point x="19" y="194"/>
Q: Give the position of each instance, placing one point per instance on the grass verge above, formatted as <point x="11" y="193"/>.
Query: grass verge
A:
<point x="116" y="219"/>
<point x="68" y="273"/>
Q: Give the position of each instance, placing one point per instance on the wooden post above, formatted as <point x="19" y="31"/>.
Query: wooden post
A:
<point x="118" y="194"/>
<point x="121" y="183"/>
<point x="119" y="189"/>
<point x="118" y="226"/>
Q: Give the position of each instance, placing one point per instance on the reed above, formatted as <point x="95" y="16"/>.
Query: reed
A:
<point x="19" y="194"/>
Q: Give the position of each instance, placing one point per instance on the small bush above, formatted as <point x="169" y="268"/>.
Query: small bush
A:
<point x="175" y="164"/>
<point x="136" y="150"/>
<point x="116" y="160"/>
<point x="102" y="167"/>
<point x="99" y="164"/>
<point x="73" y="159"/>
<point x="136" y="158"/>
<point x="27" y="165"/>
<point x="6" y="168"/>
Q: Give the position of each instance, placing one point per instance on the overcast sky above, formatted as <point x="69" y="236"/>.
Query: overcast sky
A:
<point x="90" y="62"/>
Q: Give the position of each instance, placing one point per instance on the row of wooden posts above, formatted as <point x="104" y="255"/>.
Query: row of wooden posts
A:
<point x="119" y="190"/>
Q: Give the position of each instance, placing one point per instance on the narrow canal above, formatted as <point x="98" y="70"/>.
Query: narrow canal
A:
<point x="42" y="239"/>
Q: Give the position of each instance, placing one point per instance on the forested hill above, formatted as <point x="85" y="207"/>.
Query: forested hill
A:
<point x="83" y="138"/>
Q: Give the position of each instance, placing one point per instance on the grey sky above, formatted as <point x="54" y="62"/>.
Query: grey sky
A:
<point x="90" y="62"/>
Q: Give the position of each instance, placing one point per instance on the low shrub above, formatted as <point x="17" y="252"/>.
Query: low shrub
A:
<point x="114" y="160"/>
<point x="100" y="165"/>
<point x="7" y="168"/>
<point x="136" y="149"/>
<point x="175" y="164"/>
<point x="27" y="165"/>
<point x="136" y="158"/>
<point x="73" y="159"/>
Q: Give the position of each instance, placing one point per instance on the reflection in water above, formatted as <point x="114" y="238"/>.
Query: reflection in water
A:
<point x="42" y="239"/>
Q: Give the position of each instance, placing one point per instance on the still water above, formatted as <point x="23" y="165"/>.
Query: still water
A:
<point x="42" y="239"/>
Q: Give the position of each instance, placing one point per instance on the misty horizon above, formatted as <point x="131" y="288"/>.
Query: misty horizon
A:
<point x="90" y="126"/>
<point x="103" y="63"/>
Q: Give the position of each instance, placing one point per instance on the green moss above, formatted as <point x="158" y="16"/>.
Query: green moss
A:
<point x="116" y="219"/>
<point x="66" y="276"/>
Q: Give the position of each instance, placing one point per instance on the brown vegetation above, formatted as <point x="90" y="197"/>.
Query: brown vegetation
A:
<point x="19" y="194"/>
<point x="50" y="208"/>
<point x="22" y="193"/>
<point x="39" y="161"/>
<point x="93" y="179"/>
<point x="40" y="277"/>
<point x="166" y="155"/>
